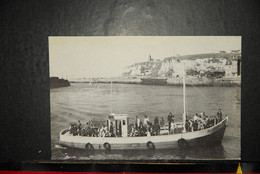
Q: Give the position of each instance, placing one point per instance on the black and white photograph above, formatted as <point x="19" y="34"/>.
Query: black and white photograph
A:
<point x="144" y="98"/>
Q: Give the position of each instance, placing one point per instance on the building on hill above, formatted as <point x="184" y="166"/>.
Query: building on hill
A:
<point x="150" y="58"/>
<point x="212" y="65"/>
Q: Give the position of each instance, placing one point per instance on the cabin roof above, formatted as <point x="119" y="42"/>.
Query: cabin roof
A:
<point x="118" y="116"/>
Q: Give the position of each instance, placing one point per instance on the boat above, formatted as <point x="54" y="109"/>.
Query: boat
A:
<point x="165" y="139"/>
<point x="153" y="81"/>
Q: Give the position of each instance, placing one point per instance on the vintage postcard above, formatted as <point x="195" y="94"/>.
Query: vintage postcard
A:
<point x="145" y="98"/>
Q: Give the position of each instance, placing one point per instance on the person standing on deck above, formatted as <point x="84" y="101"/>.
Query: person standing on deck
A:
<point x="162" y="122"/>
<point x="170" y="120"/>
<point x="79" y="127"/>
<point x="156" y="121"/>
<point x="137" y="122"/>
<point x="219" y="114"/>
<point x="156" y="126"/>
<point x="112" y="130"/>
<point x="146" y="120"/>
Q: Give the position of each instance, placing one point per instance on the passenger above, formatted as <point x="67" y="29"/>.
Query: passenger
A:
<point x="79" y="127"/>
<point x="162" y="122"/>
<point x="146" y="121"/>
<point x="191" y="125"/>
<point x="87" y="126"/>
<point x="94" y="132"/>
<point x="219" y="114"/>
<point x="195" y="125"/>
<point x="204" y="116"/>
<point x="203" y="122"/>
<point x="170" y="120"/>
<point x="211" y="122"/>
<point x="200" y="125"/>
<point x="214" y="120"/>
<point x="137" y="122"/>
<point x="102" y="131"/>
<point x="156" y="121"/>
<point x="187" y="125"/>
<point x="196" y="117"/>
<point x="156" y="129"/>
<point x="148" y="134"/>
<point x="206" y="122"/>
<point x="91" y="124"/>
<point x="70" y="128"/>
<point x="172" y="127"/>
<point x="106" y="132"/>
<point x="131" y="130"/>
<point x="99" y="131"/>
<point x="150" y="128"/>
<point x="142" y="130"/>
<point x="112" y="130"/>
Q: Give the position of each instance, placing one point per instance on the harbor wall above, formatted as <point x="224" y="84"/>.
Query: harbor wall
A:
<point x="196" y="81"/>
<point x="55" y="82"/>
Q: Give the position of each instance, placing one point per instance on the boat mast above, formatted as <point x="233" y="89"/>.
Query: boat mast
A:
<point x="184" y="100"/>
<point x="111" y="96"/>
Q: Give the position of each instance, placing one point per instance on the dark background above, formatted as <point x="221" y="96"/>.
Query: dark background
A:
<point x="24" y="30"/>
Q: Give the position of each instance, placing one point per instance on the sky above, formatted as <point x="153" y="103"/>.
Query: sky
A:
<point x="96" y="56"/>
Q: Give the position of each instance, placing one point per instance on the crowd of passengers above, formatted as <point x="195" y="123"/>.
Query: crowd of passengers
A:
<point x="202" y="121"/>
<point x="145" y="127"/>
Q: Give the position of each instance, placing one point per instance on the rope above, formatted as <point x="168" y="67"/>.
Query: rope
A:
<point x="206" y="98"/>
<point x="177" y="103"/>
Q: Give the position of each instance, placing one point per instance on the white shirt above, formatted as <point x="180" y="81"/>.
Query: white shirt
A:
<point x="138" y="121"/>
<point x="146" y="120"/>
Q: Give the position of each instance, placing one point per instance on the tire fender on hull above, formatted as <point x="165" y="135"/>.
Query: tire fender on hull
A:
<point x="89" y="147"/>
<point x="150" y="145"/>
<point x="107" y="147"/>
<point x="183" y="143"/>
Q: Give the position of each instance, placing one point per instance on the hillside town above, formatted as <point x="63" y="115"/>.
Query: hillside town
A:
<point x="210" y="69"/>
<point x="202" y="69"/>
<point x="214" y="65"/>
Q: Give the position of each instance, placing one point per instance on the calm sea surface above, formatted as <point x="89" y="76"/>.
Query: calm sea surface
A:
<point x="82" y="101"/>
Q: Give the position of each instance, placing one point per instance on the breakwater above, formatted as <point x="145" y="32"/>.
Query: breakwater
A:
<point x="55" y="82"/>
<point x="192" y="81"/>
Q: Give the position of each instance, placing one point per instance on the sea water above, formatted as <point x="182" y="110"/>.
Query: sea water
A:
<point x="83" y="101"/>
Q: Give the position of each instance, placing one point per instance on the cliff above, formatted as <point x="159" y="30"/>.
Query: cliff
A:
<point x="212" y="65"/>
<point x="55" y="82"/>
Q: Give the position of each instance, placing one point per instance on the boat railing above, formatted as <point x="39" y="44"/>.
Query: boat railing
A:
<point x="178" y="125"/>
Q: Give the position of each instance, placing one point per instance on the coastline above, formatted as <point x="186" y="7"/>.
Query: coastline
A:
<point x="192" y="81"/>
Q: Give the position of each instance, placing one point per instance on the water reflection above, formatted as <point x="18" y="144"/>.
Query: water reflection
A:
<point x="158" y="154"/>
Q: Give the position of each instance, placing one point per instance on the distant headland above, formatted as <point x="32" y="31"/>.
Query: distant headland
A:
<point x="55" y="82"/>
<point x="211" y="69"/>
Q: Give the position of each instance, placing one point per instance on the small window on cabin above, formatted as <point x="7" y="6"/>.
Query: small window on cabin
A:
<point x="123" y="122"/>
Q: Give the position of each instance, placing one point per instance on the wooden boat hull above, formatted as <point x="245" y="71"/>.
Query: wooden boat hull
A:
<point x="207" y="136"/>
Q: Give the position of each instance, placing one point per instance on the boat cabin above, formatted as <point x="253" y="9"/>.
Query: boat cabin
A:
<point x="117" y="124"/>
